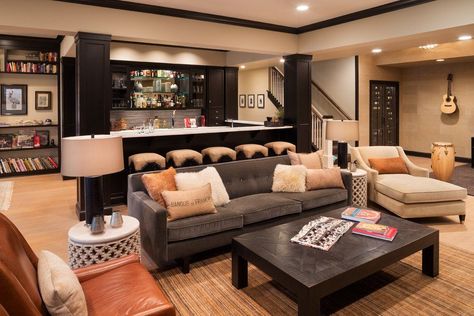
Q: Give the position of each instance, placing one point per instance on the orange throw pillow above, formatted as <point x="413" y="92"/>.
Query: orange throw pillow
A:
<point x="155" y="183"/>
<point x="323" y="179"/>
<point x="388" y="165"/>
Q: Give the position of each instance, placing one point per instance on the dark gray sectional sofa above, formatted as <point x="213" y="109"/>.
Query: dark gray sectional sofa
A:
<point x="253" y="206"/>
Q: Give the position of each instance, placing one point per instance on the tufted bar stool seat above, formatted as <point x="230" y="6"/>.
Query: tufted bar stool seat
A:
<point x="279" y="148"/>
<point x="218" y="154"/>
<point x="250" y="151"/>
<point x="183" y="158"/>
<point x="146" y="162"/>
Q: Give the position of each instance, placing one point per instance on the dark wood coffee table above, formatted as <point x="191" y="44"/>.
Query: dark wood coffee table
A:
<point x="312" y="273"/>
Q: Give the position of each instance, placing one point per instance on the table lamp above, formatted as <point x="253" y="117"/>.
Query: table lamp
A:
<point x="91" y="157"/>
<point x="342" y="131"/>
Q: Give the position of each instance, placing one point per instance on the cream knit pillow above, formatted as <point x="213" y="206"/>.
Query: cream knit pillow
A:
<point x="60" y="289"/>
<point x="194" y="180"/>
<point x="289" y="178"/>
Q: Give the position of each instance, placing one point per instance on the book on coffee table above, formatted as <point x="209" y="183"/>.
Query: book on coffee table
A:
<point x="361" y="215"/>
<point x="375" y="231"/>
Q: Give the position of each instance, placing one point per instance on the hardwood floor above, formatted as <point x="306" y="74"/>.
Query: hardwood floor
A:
<point x="43" y="209"/>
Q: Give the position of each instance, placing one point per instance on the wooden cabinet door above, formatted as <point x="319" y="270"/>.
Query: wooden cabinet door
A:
<point x="215" y="97"/>
<point x="384" y="112"/>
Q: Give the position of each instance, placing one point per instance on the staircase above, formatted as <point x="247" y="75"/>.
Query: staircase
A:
<point x="322" y="105"/>
<point x="276" y="84"/>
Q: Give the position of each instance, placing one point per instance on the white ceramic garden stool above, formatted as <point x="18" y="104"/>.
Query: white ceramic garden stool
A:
<point x="85" y="248"/>
<point x="359" y="188"/>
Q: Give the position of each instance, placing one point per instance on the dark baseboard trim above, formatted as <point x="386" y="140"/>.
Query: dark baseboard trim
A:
<point x="193" y="15"/>
<point x="428" y="155"/>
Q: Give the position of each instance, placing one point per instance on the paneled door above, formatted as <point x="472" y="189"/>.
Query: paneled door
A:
<point x="384" y="111"/>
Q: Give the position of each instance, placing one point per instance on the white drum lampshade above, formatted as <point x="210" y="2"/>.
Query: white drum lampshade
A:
<point x="342" y="131"/>
<point x="90" y="156"/>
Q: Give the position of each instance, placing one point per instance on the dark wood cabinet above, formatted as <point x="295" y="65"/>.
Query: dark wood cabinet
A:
<point x="384" y="112"/>
<point x="216" y="96"/>
<point x="231" y="92"/>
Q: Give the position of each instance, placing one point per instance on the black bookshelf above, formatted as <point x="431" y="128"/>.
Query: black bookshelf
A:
<point x="30" y="173"/>
<point x="34" y="148"/>
<point x="27" y="126"/>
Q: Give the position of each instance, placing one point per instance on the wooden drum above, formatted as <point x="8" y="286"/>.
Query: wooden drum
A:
<point x="442" y="160"/>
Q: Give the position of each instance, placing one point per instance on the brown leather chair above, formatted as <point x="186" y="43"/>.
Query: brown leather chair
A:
<point x="117" y="287"/>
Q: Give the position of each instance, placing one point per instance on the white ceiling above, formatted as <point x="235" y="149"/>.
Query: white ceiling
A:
<point x="281" y="12"/>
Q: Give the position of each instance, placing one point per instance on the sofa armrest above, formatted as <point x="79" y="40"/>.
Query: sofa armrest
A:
<point x="95" y="270"/>
<point x="347" y="179"/>
<point x="153" y="225"/>
<point x="413" y="169"/>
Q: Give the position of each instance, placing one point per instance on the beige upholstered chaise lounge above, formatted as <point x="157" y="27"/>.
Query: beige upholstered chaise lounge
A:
<point x="409" y="195"/>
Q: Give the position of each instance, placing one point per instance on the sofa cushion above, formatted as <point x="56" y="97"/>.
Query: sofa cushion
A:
<point x="394" y="165"/>
<point x="409" y="189"/>
<point x="203" y="225"/>
<point x="260" y="207"/>
<point x="317" y="198"/>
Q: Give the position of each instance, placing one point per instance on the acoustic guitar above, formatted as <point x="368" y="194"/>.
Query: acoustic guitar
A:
<point x="449" y="101"/>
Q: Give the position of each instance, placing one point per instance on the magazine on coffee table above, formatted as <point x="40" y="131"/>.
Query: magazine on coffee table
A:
<point x="322" y="232"/>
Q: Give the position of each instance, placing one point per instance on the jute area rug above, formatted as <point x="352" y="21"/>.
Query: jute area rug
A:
<point x="400" y="289"/>
<point x="6" y="192"/>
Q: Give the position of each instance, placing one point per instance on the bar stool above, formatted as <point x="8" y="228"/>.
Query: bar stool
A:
<point x="279" y="148"/>
<point x="218" y="154"/>
<point x="183" y="158"/>
<point x="146" y="162"/>
<point x="250" y="151"/>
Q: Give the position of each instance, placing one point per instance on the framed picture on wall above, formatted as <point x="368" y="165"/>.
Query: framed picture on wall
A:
<point x="43" y="100"/>
<point x="242" y="100"/>
<point x="260" y="101"/>
<point x="251" y="99"/>
<point x="14" y="99"/>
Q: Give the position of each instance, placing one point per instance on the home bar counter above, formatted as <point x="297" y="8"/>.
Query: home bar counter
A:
<point x="163" y="140"/>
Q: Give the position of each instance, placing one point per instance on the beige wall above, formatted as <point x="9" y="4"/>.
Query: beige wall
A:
<point x="368" y="70"/>
<point x="337" y="78"/>
<point x="421" y="121"/>
<point x="163" y="54"/>
<point x="255" y="81"/>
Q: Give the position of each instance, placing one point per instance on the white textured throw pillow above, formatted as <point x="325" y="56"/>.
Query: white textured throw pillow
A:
<point x="288" y="178"/>
<point x="194" y="180"/>
<point x="60" y="289"/>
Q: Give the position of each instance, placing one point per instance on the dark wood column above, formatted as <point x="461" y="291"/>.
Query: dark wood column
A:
<point x="231" y="92"/>
<point x="298" y="98"/>
<point x="93" y="83"/>
<point x="93" y="97"/>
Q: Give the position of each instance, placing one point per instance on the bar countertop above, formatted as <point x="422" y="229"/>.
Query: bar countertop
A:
<point x="194" y="131"/>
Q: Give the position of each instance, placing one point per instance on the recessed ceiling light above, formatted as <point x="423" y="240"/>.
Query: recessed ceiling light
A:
<point x="376" y="50"/>
<point x="302" y="7"/>
<point x="464" y="37"/>
<point x="242" y="67"/>
<point x="440" y="60"/>
<point x="282" y="60"/>
<point x="428" y="46"/>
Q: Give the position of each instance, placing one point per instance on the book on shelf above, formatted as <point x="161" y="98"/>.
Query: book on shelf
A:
<point x="361" y="215"/>
<point x="19" y="165"/>
<point x="375" y="231"/>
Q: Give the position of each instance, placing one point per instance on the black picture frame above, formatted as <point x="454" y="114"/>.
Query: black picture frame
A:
<point x="14" y="99"/>
<point x="44" y="137"/>
<point x="43" y="100"/>
<point x="242" y="101"/>
<point x="260" y="101"/>
<point x="251" y="101"/>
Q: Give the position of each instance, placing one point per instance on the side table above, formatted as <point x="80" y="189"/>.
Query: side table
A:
<point x="359" y="188"/>
<point x="85" y="248"/>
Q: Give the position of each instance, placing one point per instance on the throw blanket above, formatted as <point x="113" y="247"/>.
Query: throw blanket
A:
<point x="322" y="232"/>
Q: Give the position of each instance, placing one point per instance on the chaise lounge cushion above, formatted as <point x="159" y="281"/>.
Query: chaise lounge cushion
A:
<point x="204" y="225"/>
<point x="409" y="189"/>
<point x="260" y="207"/>
<point x="318" y="198"/>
